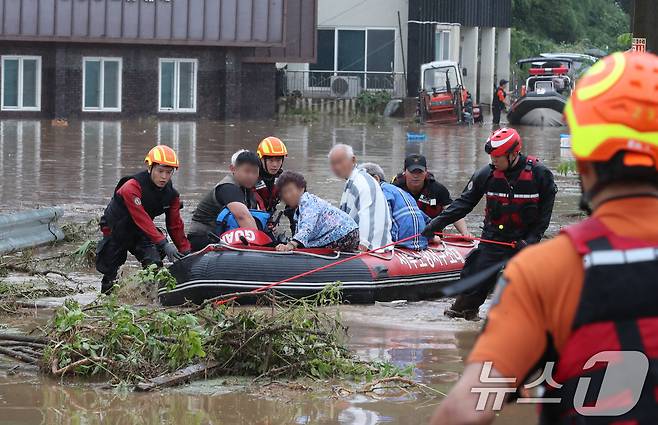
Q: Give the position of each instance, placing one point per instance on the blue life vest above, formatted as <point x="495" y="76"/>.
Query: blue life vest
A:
<point x="226" y="221"/>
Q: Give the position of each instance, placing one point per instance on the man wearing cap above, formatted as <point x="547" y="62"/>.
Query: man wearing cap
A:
<point x="498" y="104"/>
<point x="431" y="196"/>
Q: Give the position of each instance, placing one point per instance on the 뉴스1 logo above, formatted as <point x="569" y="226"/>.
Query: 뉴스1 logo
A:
<point x="625" y="374"/>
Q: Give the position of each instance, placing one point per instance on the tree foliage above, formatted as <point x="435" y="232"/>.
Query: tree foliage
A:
<point x="568" y="25"/>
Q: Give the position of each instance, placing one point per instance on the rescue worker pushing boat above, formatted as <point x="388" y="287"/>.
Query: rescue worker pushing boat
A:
<point x="520" y="192"/>
<point x="127" y="223"/>
<point x="589" y="293"/>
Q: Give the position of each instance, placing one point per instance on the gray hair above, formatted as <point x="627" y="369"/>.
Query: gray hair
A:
<point x="374" y="170"/>
<point x="234" y="158"/>
<point x="349" y="151"/>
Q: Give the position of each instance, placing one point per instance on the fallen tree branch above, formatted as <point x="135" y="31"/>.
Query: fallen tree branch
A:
<point x="24" y="338"/>
<point x="225" y="297"/>
<point x="376" y="385"/>
<point x="18" y="356"/>
<point x="82" y="362"/>
<point x="178" y="377"/>
<point x="29" y="352"/>
<point x="33" y="272"/>
<point x="21" y="344"/>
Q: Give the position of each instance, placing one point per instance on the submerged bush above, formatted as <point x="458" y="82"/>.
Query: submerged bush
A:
<point x="295" y="338"/>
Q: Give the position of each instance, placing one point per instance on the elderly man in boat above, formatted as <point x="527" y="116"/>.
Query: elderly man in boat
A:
<point x="318" y="223"/>
<point x="407" y="219"/>
<point x="362" y="199"/>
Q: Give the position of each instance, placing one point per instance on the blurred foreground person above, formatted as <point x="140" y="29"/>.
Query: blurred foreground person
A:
<point x="586" y="299"/>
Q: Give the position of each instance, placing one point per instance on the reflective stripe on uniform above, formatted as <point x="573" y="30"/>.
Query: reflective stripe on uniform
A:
<point x="516" y="195"/>
<point x="498" y="194"/>
<point x="526" y="196"/>
<point x="612" y="257"/>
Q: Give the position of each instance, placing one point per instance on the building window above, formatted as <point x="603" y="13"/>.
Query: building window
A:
<point x="442" y="45"/>
<point x="21" y="83"/>
<point x="101" y="87"/>
<point x="368" y="54"/>
<point x="177" y="85"/>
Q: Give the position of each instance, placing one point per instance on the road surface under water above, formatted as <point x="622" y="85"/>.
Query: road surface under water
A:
<point x="78" y="166"/>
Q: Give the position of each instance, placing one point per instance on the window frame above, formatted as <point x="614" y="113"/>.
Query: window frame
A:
<point x="19" y="89"/>
<point x="101" y="100"/>
<point x="365" y="72"/>
<point x="440" y="35"/>
<point x="176" y="92"/>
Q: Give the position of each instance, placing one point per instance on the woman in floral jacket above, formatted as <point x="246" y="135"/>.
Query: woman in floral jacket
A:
<point x="319" y="224"/>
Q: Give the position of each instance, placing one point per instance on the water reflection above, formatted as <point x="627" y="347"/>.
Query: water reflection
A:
<point x="79" y="165"/>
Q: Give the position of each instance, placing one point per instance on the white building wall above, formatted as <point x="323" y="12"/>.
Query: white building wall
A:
<point x="503" y="47"/>
<point x="469" y="58"/>
<point x="487" y="64"/>
<point x="369" y="14"/>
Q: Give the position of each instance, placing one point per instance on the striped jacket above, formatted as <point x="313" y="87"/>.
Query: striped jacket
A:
<point x="408" y="219"/>
<point x="364" y="201"/>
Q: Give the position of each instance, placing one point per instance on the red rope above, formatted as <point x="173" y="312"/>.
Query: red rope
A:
<point x="345" y="260"/>
<point x="474" y="238"/>
<point x="327" y="266"/>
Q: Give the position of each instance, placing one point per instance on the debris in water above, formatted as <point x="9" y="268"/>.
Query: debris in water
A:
<point x="149" y="347"/>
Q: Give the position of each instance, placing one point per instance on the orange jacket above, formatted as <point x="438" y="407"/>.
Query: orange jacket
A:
<point x="542" y="291"/>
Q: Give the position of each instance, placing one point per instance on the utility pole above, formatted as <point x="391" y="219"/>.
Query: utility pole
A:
<point x="645" y="23"/>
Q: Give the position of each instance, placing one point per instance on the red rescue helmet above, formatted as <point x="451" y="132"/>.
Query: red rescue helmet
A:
<point x="503" y="141"/>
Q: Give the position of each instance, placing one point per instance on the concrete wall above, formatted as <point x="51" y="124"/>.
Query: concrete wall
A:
<point x="226" y="87"/>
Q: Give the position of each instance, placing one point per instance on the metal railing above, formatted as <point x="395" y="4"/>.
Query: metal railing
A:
<point x="28" y="229"/>
<point x="318" y="83"/>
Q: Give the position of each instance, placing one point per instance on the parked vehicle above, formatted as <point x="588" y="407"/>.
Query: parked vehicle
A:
<point x="545" y="92"/>
<point x="442" y="98"/>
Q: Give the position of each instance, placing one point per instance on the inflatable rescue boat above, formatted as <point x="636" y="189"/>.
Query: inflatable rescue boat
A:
<point x="544" y="94"/>
<point x="240" y="264"/>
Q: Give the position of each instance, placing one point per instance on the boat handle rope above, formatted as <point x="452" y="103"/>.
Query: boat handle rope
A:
<point x="309" y="254"/>
<point x="475" y="238"/>
<point x="345" y="260"/>
<point x="325" y="267"/>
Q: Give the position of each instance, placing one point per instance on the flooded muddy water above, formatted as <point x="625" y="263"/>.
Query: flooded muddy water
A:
<point x="78" y="166"/>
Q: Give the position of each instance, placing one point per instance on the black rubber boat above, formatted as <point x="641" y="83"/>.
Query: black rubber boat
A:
<point x="548" y="106"/>
<point x="394" y="275"/>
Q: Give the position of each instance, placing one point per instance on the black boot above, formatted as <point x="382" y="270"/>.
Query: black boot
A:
<point x="469" y="314"/>
<point x="107" y="284"/>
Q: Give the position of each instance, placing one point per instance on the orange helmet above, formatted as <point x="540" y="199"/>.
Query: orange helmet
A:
<point x="271" y="146"/>
<point x="163" y="155"/>
<point x="614" y="108"/>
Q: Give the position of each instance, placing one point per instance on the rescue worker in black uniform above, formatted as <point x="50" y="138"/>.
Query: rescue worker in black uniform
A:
<point x="520" y="192"/>
<point x="234" y="192"/>
<point x="430" y="195"/>
<point x="127" y="224"/>
<point x="498" y="103"/>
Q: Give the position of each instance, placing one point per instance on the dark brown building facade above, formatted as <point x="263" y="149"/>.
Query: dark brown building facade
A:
<point x="123" y="58"/>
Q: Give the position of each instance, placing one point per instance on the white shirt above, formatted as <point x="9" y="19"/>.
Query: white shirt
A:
<point x="365" y="202"/>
